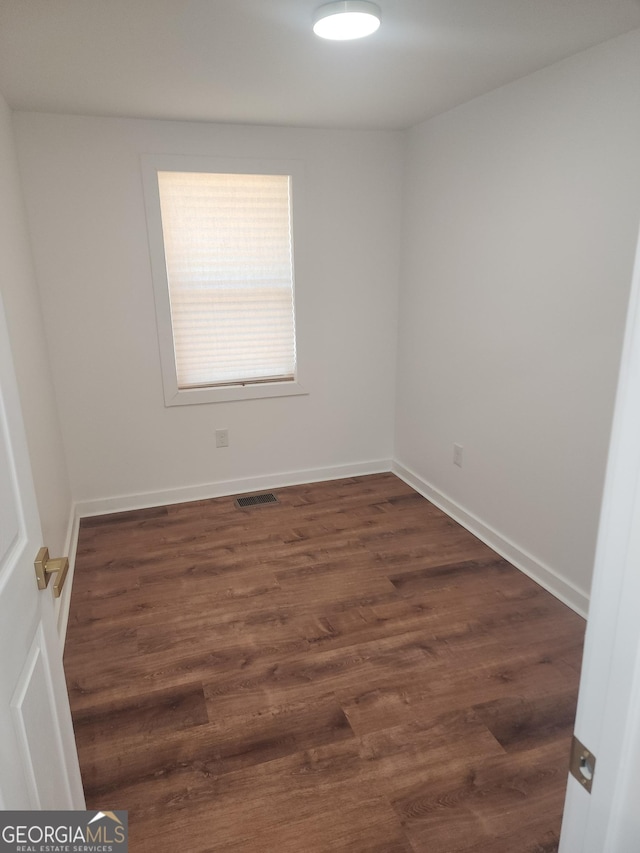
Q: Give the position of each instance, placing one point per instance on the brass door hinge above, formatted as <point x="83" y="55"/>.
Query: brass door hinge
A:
<point x="582" y="764"/>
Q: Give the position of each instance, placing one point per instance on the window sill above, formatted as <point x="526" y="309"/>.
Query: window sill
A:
<point x="229" y="393"/>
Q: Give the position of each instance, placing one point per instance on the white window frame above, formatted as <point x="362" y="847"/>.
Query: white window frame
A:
<point x="151" y="165"/>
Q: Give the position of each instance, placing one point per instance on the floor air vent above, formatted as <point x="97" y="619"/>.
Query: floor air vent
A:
<point x="256" y="500"/>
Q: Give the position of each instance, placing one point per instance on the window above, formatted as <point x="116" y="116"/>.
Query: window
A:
<point x="222" y="255"/>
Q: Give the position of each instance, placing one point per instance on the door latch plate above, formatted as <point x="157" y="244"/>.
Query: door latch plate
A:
<point x="582" y="765"/>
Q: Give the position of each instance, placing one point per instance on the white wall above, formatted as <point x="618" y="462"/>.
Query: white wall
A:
<point x="20" y="298"/>
<point x="521" y="219"/>
<point x="83" y="189"/>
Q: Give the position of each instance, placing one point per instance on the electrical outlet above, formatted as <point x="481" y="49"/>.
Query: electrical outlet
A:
<point x="457" y="455"/>
<point x="222" y="438"/>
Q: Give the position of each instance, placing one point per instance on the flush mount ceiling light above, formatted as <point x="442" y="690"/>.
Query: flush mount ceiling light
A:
<point x="349" y="19"/>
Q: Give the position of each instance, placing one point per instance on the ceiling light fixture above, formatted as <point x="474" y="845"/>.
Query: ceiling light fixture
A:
<point x="348" y="19"/>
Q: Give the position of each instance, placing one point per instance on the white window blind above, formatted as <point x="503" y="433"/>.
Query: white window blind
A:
<point x="229" y="260"/>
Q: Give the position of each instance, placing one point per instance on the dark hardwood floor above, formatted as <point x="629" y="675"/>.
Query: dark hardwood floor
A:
<point x="346" y="670"/>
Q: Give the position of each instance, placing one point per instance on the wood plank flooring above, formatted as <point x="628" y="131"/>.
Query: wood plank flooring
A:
<point x="346" y="670"/>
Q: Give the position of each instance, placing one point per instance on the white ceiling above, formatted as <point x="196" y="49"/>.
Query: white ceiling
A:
<point x="258" y="62"/>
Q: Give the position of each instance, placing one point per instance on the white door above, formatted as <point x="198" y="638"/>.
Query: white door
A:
<point x="38" y="759"/>
<point x="608" y="718"/>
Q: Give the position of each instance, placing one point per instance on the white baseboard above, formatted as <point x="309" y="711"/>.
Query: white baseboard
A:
<point x="560" y="587"/>
<point x="124" y="503"/>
